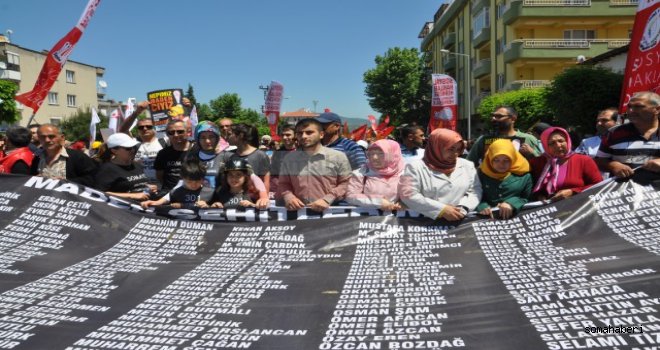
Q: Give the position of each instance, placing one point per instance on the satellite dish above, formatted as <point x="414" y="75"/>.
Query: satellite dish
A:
<point x="9" y="32"/>
<point x="581" y="58"/>
<point x="103" y="84"/>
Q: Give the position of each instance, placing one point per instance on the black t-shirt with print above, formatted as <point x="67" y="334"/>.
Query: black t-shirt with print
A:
<point x="112" y="177"/>
<point x="169" y="161"/>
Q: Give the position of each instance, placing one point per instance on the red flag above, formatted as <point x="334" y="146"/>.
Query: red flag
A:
<point x="273" y="103"/>
<point x="384" y="124"/>
<point x="57" y="57"/>
<point x="358" y="134"/>
<point x="385" y="132"/>
<point x="643" y="63"/>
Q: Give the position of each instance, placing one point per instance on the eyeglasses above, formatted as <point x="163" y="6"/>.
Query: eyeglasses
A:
<point x="145" y="127"/>
<point x="499" y="116"/>
<point x="175" y="132"/>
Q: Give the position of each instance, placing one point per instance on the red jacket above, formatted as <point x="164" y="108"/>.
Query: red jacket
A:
<point x="23" y="153"/>
<point x="582" y="172"/>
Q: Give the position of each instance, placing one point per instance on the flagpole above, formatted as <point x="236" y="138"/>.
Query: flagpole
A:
<point x="30" y="120"/>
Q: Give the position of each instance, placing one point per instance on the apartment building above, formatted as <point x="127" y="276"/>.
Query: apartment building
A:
<point x="76" y="87"/>
<point x="492" y="46"/>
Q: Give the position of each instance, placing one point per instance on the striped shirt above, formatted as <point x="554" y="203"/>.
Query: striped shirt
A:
<point x="625" y="144"/>
<point x="352" y="150"/>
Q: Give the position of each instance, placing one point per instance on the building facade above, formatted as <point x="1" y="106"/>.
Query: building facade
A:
<point x="491" y="46"/>
<point x="77" y="86"/>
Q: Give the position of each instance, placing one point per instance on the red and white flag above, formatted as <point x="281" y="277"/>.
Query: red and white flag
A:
<point x="643" y="62"/>
<point x="57" y="57"/>
<point x="443" y="103"/>
<point x="273" y="103"/>
<point x="113" y="121"/>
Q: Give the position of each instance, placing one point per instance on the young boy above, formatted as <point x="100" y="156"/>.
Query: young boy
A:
<point x="187" y="195"/>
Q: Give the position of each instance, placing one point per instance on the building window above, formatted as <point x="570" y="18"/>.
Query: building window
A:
<point x="579" y="34"/>
<point x="13" y="61"/>
<point x="52" y="98"/>
<point x="70" y="76"/>
<point x="71" y="100"/>
<point x="55" y="121"/>
<point x="501" y="8"/>
<point x="480" y="22"/>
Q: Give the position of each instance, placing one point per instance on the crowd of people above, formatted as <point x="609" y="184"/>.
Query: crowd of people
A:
<point x="225" y="165"/>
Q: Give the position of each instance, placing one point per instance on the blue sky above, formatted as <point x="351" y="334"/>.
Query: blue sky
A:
<point x="318" y="50"/>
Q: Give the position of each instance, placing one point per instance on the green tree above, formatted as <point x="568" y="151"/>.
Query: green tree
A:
<point x="204" y="112"/>
<point x="252" y="117"/>
<point x="399" y="85"/>
<point x="530" y="103"/>
<point x="190" y="94"/>
<point x="226" y="106"/>
<point x="8" y="111"/>
<point x="577" y="94"/>
<point x="76" y="127"/>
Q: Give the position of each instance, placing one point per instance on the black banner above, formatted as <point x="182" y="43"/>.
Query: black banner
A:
<point x="80" y="272"/>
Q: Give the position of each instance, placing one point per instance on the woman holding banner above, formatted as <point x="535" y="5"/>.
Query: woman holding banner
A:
<point x="376" y="183"/>
<point x="441" y="185"/>
<point x="559" y="173"/>
<point x="119" y="175"/>
<point x="505" y="179"/>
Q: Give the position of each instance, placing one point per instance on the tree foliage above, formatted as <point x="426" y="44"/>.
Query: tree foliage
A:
<point x="8" y="111"/>
<point x="399" y="85"/>
<point x="530" y="104"/>
<point x="577" y="94"/>
<point x="204" y="112"/>
<point x="226" y="106"/>
<point x="76" y="127"/>
<point x="190" y="94"/>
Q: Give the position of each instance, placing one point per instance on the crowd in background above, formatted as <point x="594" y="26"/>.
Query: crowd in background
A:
<point x="440" y="175"/>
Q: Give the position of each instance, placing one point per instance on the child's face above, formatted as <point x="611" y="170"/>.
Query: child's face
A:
<point x="235" y="178"/>
<point x="501" y="163"/>
<point x="193" y="185"/>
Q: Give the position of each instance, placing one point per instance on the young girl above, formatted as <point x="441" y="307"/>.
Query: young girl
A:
<point x="505" y="180"/>
<point x="187" y="195"/>
<point x="236" y="186"/>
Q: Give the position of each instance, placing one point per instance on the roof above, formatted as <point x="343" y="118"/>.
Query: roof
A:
<point x="607" y="55"/>
<point x="301" y="113"/>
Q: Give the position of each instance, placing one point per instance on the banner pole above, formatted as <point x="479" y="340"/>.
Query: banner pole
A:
<point x="30" y="120"/>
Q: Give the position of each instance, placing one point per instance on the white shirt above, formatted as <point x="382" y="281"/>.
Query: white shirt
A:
<point x="428" y="192"/>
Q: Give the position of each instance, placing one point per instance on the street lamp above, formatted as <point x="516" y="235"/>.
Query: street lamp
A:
<point x="469" y="81"/>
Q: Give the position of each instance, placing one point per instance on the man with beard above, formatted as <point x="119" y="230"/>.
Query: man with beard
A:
<point x="314" y="175"/>
<point x="503" y="121"/>
<point x="606" y="120"/>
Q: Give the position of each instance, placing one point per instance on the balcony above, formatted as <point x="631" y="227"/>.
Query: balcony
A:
<point x="6" y="74"/>
<point x="481" y="68"/>
<point x="559" y="48"/>
<point x="537" y="10"/>
<point x="527" y="84"/>
<point x="479" y="39"/>
<point x="448" y="40"/>
<point x="449" y="63"/>
<point x="624" y="3"/>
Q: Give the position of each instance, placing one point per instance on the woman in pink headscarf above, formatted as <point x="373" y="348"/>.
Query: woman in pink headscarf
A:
<point x="559" y="173"/>
<point x="441" y="185"/>
<point x="376" y="184"/>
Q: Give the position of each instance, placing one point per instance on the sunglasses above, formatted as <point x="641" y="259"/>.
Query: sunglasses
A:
<point x="145" y="127"/>
<point x="176" y="132"/>
<point x="499" y="116"/>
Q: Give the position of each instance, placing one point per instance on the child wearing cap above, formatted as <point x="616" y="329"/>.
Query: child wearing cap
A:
<point x="236" y="186"/>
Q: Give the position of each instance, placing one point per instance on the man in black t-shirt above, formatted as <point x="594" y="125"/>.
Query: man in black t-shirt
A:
<point x="169" y="159"/>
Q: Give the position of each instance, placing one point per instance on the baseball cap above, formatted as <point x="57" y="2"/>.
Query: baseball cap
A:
<point x="121" y="140"/>
<point x="328" y="117"/>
